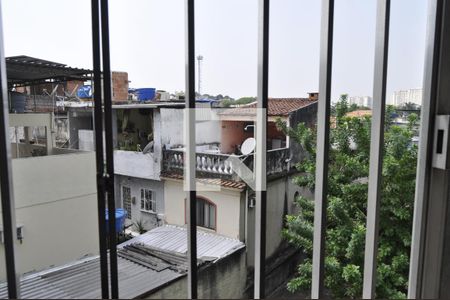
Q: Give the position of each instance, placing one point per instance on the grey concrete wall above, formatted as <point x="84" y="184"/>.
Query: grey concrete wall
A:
<point x="56" y="202"/>
<point x="225" y="279"/>
<point x="136" y="184"/>
<point x="280" y="200"/>
<point x="78" y="120"/>
<point x="307" y="115"/>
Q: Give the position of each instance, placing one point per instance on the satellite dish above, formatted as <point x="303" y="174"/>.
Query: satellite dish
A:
<point x="148" y="148"/>
<point x="248" y="146"/>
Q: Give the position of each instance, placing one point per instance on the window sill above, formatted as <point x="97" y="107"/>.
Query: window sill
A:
<point x="148" y="211"/>
<point x="206" y="229"/>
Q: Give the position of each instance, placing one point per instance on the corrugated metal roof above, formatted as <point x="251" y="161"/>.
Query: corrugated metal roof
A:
<point x="139" y="273"/>
<point x="153" y="104"/>
<point x="174" y="238"/>
<point x="26" y="70"/>
<point x="81" y="280"/>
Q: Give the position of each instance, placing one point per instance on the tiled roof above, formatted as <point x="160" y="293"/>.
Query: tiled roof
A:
<point x="359" y="113"/>
<point x="276" y="107"/>
<point x="239" y="185"/>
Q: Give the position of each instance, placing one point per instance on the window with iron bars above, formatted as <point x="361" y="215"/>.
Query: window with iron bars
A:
<point x="147" y="202"/>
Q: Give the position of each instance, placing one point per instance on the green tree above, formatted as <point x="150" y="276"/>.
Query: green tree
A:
<point x="409" y="106"/>
<point x="347" y="205"/>
<point x="245" y="100"/>
<point x="227" y="102"/>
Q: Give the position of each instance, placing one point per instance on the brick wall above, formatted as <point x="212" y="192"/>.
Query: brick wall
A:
<point x="71" y="85"/>
<point x="120" y="86"/>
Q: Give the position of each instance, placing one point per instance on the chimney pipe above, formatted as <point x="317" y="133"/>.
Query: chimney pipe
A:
<point x="314" y="96"/>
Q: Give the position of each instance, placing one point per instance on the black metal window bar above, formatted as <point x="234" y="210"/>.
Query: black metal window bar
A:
<point x="105" y="167"/>
<point x="6" y="186"/>
<point x="189" y="171"/>
<point x="104" y="151"/>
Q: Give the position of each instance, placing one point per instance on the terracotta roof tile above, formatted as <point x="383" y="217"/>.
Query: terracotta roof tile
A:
<point x="359" y="113"/>
<point x="277" y="107"/>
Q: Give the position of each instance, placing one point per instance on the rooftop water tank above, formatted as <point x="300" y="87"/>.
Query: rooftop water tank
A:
<point x="84" y="92"/>
<point x="145" y="94"/>
<point x="121" y="214"/>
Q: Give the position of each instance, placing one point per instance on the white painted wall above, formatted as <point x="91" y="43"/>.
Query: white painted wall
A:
<point x="208" y="131"/>
<point x="171" y="126"/>
<point x="149" y="219"/>
<point x="227" y="202"/>
<point x="229" y="210"/>
<point x="136" y="164"/>
<point x="56" y="202"/>
<point x="86" y="140"/>
<point x="171" y="122"/>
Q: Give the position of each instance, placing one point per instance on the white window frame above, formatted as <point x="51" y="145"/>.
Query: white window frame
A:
<point x="206" y="221"/>
<point x="152" y="200"/>
<point x="129" y="212"/>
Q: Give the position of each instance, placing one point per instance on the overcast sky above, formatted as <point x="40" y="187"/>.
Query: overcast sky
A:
<point x="147" y="41"/>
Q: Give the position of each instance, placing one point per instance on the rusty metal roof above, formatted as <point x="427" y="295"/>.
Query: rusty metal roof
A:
<point x="231" y="184"/>
<point x="25" y="70"/>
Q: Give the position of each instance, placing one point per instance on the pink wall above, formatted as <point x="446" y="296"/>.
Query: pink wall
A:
<point x="233" y="134"/>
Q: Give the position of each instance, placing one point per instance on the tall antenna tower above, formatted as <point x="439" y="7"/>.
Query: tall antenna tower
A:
<point x="199" y="60"/>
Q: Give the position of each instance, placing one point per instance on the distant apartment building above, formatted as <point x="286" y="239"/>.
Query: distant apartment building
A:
<point x="361" y="101"/>
<point x="407" y="96"/>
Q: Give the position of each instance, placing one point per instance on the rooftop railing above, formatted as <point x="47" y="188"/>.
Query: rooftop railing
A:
<point x="220" y="166"/>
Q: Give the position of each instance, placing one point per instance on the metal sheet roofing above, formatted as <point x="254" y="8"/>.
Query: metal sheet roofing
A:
<point x="174" y="238"/>
<point x="145" y="263"/>
<point x="26" y="70"/>
<point x="81" y="280"/>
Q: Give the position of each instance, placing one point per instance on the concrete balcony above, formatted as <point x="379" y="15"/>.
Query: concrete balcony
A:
<point x="136" y="164"/>
<point x="220" y="166"/>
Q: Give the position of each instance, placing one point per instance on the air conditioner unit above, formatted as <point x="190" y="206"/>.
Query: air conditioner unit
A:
<point x="161" y="218"/>
<point x="252" y="202"/>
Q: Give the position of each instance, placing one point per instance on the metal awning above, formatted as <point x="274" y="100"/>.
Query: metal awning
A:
<point x="25" y="70"/>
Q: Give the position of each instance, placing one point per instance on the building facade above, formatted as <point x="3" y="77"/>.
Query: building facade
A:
<point x="407" y="96"/>
<point x="361" y="101"/>
<point x="55" y="200"/>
